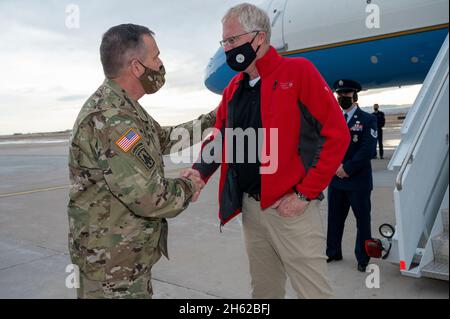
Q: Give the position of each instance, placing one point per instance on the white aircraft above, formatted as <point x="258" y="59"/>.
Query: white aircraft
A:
<point x="382" y="43"/>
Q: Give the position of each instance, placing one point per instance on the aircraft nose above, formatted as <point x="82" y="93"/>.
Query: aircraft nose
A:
<point x="218" y="74"/>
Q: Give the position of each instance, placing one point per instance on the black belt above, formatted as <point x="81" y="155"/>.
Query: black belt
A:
<point x="256" y="197"/>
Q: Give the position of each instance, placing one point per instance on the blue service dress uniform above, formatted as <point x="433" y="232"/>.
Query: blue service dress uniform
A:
<point x="354" y="191"/>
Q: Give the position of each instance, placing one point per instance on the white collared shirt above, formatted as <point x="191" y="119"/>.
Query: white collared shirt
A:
<point x="253" y="82"/>
<point x="351" y="113"/>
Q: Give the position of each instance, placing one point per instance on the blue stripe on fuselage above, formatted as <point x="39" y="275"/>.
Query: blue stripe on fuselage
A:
<point x="394" y="65"/>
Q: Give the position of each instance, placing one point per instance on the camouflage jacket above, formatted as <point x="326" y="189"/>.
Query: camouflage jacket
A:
<point x="119" y="197"/>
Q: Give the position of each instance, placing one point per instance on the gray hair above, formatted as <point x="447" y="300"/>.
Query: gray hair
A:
<point x="119" y="45"/>
<point x="251" y="18"/>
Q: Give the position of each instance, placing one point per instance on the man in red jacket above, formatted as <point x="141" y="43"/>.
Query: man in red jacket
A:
<point x="297" y="122"/>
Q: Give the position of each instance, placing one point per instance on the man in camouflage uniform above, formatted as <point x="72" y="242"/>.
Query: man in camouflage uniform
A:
<point x="119" y="197"/>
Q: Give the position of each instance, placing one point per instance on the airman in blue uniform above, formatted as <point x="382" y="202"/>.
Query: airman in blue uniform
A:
<point x="353" y="184"/>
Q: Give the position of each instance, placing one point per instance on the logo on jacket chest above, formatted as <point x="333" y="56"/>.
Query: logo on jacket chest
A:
<point x="286" y="85"/>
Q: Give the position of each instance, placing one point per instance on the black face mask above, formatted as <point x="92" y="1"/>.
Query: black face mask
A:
<point x="240" y="58"/>
<point x="345" y="102"/>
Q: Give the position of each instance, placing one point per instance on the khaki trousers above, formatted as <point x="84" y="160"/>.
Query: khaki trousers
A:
<point x="279" y="247"/>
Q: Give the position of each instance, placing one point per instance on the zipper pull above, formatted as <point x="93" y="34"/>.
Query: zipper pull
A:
<point x="275" y="85"/>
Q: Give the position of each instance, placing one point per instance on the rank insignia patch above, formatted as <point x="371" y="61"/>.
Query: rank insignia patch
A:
<point x="374" y="133"/>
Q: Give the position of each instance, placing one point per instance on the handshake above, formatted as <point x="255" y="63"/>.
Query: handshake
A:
<point x="196" y="180"/>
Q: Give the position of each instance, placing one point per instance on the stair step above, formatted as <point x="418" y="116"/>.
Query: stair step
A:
<point x="441" y="248"/>
<point x="445" y="219"/>
<point x="436" y="270"/>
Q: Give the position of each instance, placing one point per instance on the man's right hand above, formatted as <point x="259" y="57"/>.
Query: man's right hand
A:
<point x="198" y="182"/>
<point x="341" y="172"/>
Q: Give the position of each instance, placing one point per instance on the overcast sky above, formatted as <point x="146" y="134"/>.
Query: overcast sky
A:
<point x="49" y="70"/>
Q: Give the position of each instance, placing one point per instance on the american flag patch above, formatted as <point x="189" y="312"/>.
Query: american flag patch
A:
<point x="128" y="140"/>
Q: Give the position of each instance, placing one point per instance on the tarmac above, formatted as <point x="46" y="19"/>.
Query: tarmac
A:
<point x="204" y="263"/>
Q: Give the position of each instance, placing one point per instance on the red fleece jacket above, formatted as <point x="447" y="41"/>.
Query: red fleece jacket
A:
<point x="289" y="87"/>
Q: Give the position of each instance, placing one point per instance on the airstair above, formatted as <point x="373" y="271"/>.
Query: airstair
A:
<point x="421" y="241"/>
